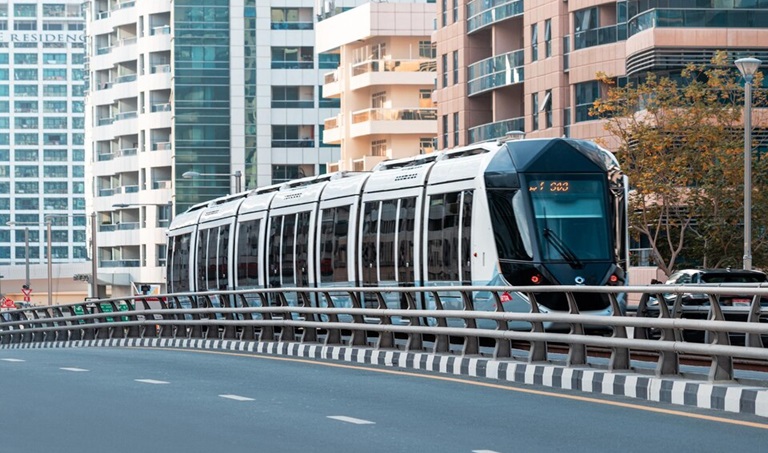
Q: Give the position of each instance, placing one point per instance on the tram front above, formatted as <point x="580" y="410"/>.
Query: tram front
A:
<point x="558" y="213"/>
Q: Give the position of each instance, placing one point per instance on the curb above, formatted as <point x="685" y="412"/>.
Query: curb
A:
<point x="724" y="396"/>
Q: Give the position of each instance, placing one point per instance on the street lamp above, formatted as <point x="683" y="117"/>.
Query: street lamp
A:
<point x="26" y="254"/>
<point x="237" y="175"/>
<point x="748" y="68"/>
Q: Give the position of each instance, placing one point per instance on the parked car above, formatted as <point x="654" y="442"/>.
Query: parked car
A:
<point x="735" y="307"/>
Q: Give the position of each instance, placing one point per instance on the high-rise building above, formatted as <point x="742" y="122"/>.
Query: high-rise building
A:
<point x="385" y="82"/>
<point x="188" y="101"/>
<point x="42" y="146"/>
<point x="509" y="65"/>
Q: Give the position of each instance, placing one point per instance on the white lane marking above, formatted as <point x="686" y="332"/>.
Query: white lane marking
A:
<point x="72" y="369"/>
<point x="12" y="360"/>
<point x="151" y="381"/>
<point x="356" y="421"/>
<point x="484" y="451"/>
<point x="237" y="397"/>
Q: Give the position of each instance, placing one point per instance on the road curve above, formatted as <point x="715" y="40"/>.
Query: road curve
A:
<point x="130" y="399"/>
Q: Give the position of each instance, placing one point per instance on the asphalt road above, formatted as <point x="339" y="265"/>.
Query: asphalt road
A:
<point x="149" y="400"/>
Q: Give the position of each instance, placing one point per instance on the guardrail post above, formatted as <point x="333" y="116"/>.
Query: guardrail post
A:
<point x="415" y="340"/>
<point x="308" y="334"/>
<point x="266" y="333"/>
<point x="358" y="337"/>
<point x="287" y="333"/>
<point x="37" y="337"/>
<point x="538" y="349"/>
<point x="754" y="340"/>
<point x="577" y="353"/>
<point x="619" y="356"/>
<point x="332" y="335"/>
<point x="721" y="368"/>
<point x="669" y="361"/>
<point x="471" y="343"/>
<point x="247" y="331"/>
<point x="441" y="341"/>
<point x="386" y="338"/>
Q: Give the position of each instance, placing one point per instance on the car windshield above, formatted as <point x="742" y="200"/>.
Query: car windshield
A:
<point x="733" y="278"/>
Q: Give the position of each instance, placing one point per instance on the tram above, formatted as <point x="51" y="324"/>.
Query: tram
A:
<point x="499" y="213"/>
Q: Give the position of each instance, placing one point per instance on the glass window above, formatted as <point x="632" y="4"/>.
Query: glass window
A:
<point x="30" y="188"/>
<point x="455" y="67"/>
<point x="334" y="230"/>
<point x="27" y="171"/>
<point x="248" y="254"/>
<point x="55" y="155"/>
<point x="534" y="42"/>
<point x="566" y="206"/>
<point x="25" y="139"/>
<point x="548" y="38"/>
<point x="55" y="171"/>
<point x="510" y="231"/>
<point x="586" y="93"/>
<point x="292" y="58"/>
<point x="535" y="110"/>
<point x="26" y="155"/>
<point x="25" y="74"/>
<point x="25" y="58"/>
<point x="25" y="106"/>
<point x="369" y="243"/>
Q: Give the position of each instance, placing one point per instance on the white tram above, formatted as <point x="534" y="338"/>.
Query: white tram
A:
<point x="522" y="212"/>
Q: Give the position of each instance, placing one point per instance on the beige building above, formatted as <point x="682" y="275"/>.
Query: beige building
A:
<point x="531" y="66"/>
<point x="384" y="81"/>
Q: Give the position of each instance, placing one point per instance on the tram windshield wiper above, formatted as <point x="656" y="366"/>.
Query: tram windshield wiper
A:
<point x="563" y="248"/>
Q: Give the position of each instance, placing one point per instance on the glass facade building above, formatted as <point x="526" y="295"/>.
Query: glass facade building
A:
<point x="42" y="145"/>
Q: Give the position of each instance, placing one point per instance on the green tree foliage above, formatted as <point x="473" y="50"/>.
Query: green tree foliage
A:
<point x="681" y="143"/>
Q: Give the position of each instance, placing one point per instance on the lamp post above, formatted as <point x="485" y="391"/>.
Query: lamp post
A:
<point x="237" y="175"/>
<point x="49" y="255"/>
<point x="748" y="68"/>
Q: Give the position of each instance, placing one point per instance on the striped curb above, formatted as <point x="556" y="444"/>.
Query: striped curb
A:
<point x="725" y="396"/>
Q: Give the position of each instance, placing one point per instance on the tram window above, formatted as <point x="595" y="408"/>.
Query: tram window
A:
<point x="223" y="258"/>
<point x="369" y="240"/>
<point x="287" y="256"/>
<point x="406" y="220"/>
<point x="333" y="245"/>
<point x="179" y="268"/>
<point x="340" y="235"/>
<point x="273" y="259"/>
<point x="509" y="228"/>
<point x="387" y="240"/>
<point x="466" y="238"/>
<point x="302" y="249"/>
<point x="212" y="260"/>
<point x="248" y="254"/>
<point x="202" y="258"/>
<point x="443" y="237"/>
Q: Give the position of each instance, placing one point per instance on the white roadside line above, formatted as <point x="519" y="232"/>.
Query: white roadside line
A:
<point x="237" y="397"/>
<point x="12" y="360"/>
<point x="151" y="381"/>
<point x="72" y="369"/>
<point x="356" y="421"/>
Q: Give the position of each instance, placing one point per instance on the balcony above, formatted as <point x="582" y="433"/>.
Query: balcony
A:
<point x="393" y="121"/>
<point x="599" y="36"/>
<point x="495" y="72"/>
<point x="161" y="146"/>
<point x="482" y="13"/>
<point x="495" y="130"/>
<point x="393" y="72"/>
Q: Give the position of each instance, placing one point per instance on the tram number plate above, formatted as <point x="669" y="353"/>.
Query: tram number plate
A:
<point x="741" y="302"/>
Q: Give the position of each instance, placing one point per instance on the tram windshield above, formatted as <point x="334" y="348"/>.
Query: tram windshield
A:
<point x="570" y="212"/>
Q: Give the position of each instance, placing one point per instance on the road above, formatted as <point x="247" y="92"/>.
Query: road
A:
<point x="128" y="400"/>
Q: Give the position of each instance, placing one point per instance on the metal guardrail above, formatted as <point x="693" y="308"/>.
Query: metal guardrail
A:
<point x="292" y="314"/>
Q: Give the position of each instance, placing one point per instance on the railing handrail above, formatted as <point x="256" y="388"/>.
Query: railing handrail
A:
<point x="286" y="309"/>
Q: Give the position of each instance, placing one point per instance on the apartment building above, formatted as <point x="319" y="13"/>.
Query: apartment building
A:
<point x="509" y="65"/>
<point x="42" y="149"/>
<point x="384" y="83"/>
<point x="188" y="101"/>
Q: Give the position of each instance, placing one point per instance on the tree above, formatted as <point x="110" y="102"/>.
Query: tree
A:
<point x="681" y="144"/>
